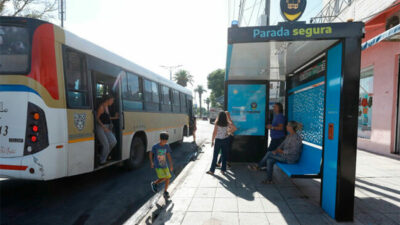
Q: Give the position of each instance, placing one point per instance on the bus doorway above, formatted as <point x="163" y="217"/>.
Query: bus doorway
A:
<point x="103" y="86"/>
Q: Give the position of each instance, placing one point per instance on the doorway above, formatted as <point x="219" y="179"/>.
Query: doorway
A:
<point x="397" y="142"/>
<point x="106" y="85"/>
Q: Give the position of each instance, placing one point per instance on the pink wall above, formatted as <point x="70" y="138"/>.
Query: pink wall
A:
<point x="384" y="59"/>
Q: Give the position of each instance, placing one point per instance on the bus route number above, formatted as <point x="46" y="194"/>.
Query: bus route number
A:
<point x="4" y="130"/>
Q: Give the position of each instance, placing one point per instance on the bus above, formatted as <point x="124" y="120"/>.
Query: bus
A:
<point x="51" y="83"/>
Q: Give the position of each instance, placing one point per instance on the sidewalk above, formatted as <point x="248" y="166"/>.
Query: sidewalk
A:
<point x="240" y="198"/>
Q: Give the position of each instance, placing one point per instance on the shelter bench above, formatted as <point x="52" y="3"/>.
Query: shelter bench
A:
<point x="308" y="166"/>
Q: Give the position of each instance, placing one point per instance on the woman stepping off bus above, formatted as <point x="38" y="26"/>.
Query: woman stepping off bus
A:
<point x="104" y="128"/>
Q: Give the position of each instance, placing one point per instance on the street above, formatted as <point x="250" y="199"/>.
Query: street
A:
<point x="107" y="196"/>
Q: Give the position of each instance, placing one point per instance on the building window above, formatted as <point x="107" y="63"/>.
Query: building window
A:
<point x="365" y="103"/>
<point x="77" y="83"/>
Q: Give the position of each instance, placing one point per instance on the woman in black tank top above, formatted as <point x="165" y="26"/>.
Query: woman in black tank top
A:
<point x="103" y="128"/>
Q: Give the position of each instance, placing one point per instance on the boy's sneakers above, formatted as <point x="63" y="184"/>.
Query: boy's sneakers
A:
<point x="154" y="187"/>
<point x="166" y="194"/>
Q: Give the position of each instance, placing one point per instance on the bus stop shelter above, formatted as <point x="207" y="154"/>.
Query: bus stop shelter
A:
<point x="314" y="71"/>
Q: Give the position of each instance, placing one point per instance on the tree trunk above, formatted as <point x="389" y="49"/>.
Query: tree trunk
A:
<point x="200" y="106"/>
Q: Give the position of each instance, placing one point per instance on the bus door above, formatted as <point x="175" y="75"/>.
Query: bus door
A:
<point x="79" y="113"/>
<point x="105" y="85"/>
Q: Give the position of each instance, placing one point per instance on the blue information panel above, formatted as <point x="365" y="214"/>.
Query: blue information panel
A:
<point x="246" y="104"/>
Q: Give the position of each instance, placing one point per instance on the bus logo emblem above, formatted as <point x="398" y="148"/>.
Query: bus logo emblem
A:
<point x="80" y="120"/>
<point x="292" y="10"/>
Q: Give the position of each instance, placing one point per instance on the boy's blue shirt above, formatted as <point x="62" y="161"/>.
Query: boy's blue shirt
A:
<point x="160" y="155"/>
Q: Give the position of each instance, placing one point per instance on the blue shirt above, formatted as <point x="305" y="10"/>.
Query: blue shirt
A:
<point x="278" y="119"/>
<point x="160" y="155"/>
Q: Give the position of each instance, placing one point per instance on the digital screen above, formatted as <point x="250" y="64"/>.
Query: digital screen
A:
<point x="246" y="104"/>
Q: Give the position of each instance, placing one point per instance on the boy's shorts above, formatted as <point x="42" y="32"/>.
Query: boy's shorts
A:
<point x="163" y="173"/>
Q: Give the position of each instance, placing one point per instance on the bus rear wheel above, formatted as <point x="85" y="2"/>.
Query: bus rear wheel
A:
<point x="136" y="155"/>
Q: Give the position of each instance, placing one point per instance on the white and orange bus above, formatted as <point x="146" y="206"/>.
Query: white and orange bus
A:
<point x="51" y="82"/>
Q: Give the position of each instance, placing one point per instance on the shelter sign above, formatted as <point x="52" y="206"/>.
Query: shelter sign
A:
<point x="247" y="104"/>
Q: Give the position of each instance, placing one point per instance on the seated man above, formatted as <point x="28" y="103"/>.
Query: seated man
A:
<point x="287" y="152"/>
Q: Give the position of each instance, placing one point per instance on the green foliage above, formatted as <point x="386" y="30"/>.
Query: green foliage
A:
<point x="38" y="9"/>
<point x="216" y="84"/>
<point x="183" y="77"/>
<point x="200" y="90"/>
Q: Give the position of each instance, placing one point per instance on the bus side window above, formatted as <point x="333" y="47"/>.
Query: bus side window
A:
<point x="151" y="96"/>
<point x="176" y="102"/>
<point x="76" y="80"/>
<point x="166" y="99"/>
<point x="131" y="93"/>
<point x="183" y="102"/>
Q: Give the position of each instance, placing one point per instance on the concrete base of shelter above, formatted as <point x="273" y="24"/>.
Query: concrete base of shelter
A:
<point x="239" y="197"/>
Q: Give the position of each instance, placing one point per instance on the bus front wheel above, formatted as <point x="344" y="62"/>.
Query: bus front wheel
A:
<point x="137" y="154"/>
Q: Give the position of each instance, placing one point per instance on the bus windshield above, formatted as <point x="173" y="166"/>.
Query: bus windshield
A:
<point x="14" y="50"/>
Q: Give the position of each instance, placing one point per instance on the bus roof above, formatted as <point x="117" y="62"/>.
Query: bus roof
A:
<point x="74" y="41"/>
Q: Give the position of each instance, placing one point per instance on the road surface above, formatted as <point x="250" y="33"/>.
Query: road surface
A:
<point x="107" y="196"/>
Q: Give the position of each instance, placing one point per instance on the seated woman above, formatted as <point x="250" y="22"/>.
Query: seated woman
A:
<point x="287" y="152"/>
<point x="104" y="128"/>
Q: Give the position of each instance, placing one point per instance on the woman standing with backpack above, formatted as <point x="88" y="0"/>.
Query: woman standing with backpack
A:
<point x="221" y="138"/>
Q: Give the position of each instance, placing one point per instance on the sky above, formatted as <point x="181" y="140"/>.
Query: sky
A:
<point x="151" y="33"/>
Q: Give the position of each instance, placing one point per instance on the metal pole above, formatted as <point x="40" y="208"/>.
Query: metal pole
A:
<point x="170" y="73"/>
<point x="267" y="11"/>
<point x="62" y="13"/>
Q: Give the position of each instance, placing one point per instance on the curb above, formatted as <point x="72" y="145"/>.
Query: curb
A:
<point x="150" y="210"/>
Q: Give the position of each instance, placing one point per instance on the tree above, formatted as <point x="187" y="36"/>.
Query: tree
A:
<point x="200" y="90"/>
<point x="216" y="84"/>
<point x="38" y="9"/>
<point x="208" y="101"/>
<point x="183" y="77"/>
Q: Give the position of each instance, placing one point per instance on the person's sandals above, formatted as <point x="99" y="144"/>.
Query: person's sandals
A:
<point x="154" y="187"/>
<point x="253" y="168"/>
<point x="166" y="194"/>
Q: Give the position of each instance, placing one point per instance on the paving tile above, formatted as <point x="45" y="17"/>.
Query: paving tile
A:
<point x="179" y="204"/>
<point x="254" y="205"/>
<point x="290" y="192"/>
<point x="312" y="219"/>
<point x="270" y="193"/>
<point x="253" y="219"/>
<point x="394" y="216"/>
<point x="282" y="219"/>
<point x="197" y="218"/>
<point x="205" y="193"/>
<point x="201" y="205"/>
<point x="225" y="193"/>
<point x="225" y="205"/>
<point x="275" y="206"/>
<point x="303" y="206"/>
<point x="375" y="219"/>
<point x="185" y="192"/>
<point x="225" y="218"/>
<point x="208" y="181"/>
<point x="169" y="218"/>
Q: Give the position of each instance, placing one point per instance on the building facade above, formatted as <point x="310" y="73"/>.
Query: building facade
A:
<point x="379" y="116"/>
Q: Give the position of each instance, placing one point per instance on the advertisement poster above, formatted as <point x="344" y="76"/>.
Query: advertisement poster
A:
<point x="246" y="104"/>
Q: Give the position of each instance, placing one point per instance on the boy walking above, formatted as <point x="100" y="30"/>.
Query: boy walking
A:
<point x="161" y="152"/>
